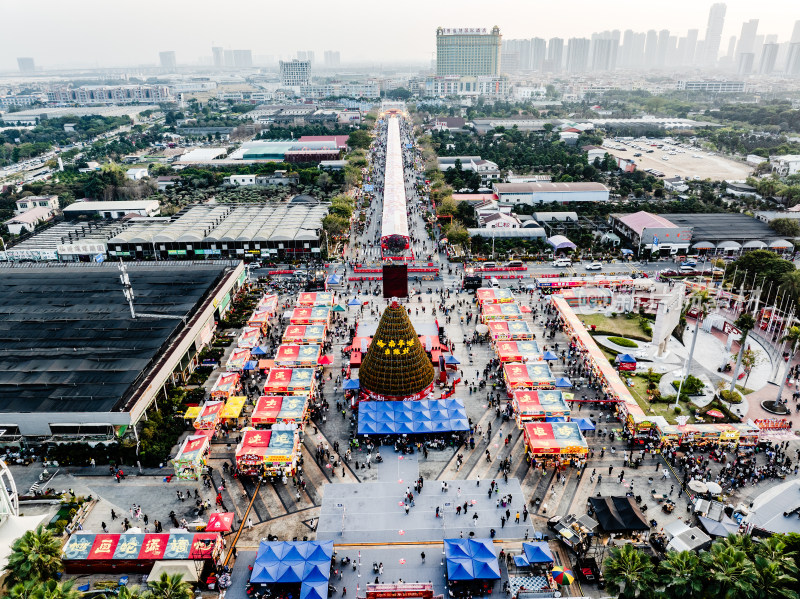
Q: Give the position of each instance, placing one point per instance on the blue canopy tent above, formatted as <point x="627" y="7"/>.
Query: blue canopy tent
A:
<point x="548" y="355"/>
<point x="563" y="382"/>
<point x="404" y="418"/>
<point x="250" y="365"/>
<point x="338" y="308"/>
<point x="351" y="384"/>
<point x="354" y="302"/>
<point x="315" y="590"/>
<point x="304" y="562"/>
<point x="471" y="559"/>
<point x="334" y="279"/>
<point x="258" y="351"/>
<point x="585" y="424"/>
<point x="538" y="553"/>
<point x="451" y="359"/>
<point x="625" y="359"/>
<point x="554" y="419"/>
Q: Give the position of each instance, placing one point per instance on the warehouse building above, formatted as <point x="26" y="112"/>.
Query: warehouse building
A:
<point x="546" y="193"/>
<point x="75" y="363"/>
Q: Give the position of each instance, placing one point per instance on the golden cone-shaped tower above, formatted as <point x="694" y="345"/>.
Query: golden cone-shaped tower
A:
<point x="396" y="366"/>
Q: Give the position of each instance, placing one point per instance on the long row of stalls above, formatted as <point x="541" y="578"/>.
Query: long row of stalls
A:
<point x="540" y="409"/>
<point x="130" y="552"/>
<point x="271" y="452"/>
<point x="272" y="409"/>
<point x="642" y="427"/>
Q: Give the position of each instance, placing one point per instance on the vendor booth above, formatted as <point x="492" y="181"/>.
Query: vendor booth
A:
<point x="304" y="334"/>
<point x="539" y="405"/>
<point x="587" y="296"/>
<point x="250" y="337"/>
<point x="260" y="319"/>
<point x="535" y="375"/>
<point x="518" y="351"/>
<point x="239" y="357"/>
<point x="290" y="381"/>
<point x="191" y="460"/>
<point x="325" y="298"/>
<point x="232" y="412"/>
<point x="251" y="453"/>
<point x="268" y="302"/>
<point x="210" y="415"/>
<point x="412" y="417"/>
<point x="311" y="315"/>
<point x="293" y="568"/>
<point x="297" y="355"/>
<point x="227" y="385"/>
<point x="283" y="451"/>
<point x="491" y="312"/>
<point x="558" y="440"/>
<point x="272" y="409"/>
<point x="625" y="362"/>
<point x="494" y="295"/>
<point x="513" y="330"/>
<point x="137" y="553"/>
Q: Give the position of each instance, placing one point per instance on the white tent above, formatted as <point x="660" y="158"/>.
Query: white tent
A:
<point x="187" y="568"/>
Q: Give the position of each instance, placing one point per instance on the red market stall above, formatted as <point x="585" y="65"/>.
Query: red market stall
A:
<point x="273" y="409"/>
<point x="228" y="384"/>
<point x="491" y="312"/>
<point x="191" y="460"/>
<point x="88" y="553"/>
<point x="210" y="415"/>
<point x="494" y="295"/>
<point x="304" y="334"/>
<point x="316" y="299"/>
<point x="250" y="337"/>
<point x="290" y="381"/>
<point x="518" y="351"/>
<point x="260" y="320"/>
<point x="561" y="440"/>
<point x="539" y="405"/>
<point x="239" y="357"/>
<point x="298" y="355"/>
<point x="514" y="330"/>
<point x="311" y="315"/>
<point x="252" y="451"/>
<point x="528" y="376"/>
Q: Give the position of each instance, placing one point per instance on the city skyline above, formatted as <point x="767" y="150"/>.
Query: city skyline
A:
<point x="411" y="38"/>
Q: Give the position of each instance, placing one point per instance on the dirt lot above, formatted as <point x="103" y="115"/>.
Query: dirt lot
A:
<point x="683" y="165"/>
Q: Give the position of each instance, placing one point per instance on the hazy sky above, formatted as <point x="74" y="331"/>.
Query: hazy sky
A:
<point x="113" y="33"/>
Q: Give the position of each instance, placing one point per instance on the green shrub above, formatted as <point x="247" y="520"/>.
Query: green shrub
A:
<point x="730" y="397"/>
<point x="677" y="409"/>
<point x="623" y="342"/>
<point x="691" y="386"/>
<point x="59" y="526"/>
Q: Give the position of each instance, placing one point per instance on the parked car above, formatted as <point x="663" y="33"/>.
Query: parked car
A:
<point x="594" y="266"/>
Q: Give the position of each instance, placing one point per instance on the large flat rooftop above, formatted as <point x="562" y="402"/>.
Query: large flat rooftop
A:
<point x="715" y="227"/>
<point x="67" y="339"/>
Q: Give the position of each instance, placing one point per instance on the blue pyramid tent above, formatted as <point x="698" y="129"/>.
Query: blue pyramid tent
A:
<point x="626" y="359"/>
<point x="459" y="424"/>
<point x="456" y="548"/>
<point x="316" y="572"/>
<point x="563" y="382"/>
<point x="317" y="590"/>
<point x="367" y="428"/>
<point x="290" y="571"/>
<point x="585" y="424"/>
<point x="482" y="549"/>
<point x="351" y="384"/>
<point x="320" y="552"/>
<point x="258" y="351"/>
<point x="293" y="554"/>
<point x="334" y="279"/>
<point x="404" y="428"/>
<point x="548" y="355"/>
<point x="422" y="426"/>
<point x="354" y="302"/>
<point x="338" y="308"/>
<point x="250" y="365"/>
<point x="460" y="569"/>
<point x="487" y="570"/>
<point x="538" y="553"/>
<point x="265" y="573"/>
<point x="451" y="360"/>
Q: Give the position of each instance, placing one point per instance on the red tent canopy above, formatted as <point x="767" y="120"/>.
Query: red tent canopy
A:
<point x="220" y="522"/>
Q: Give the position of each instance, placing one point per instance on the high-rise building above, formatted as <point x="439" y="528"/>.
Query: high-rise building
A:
<point x="747" y="38"/>
<point x="604" y="53"/>
<point x="242" y="58"/>
<point x="637" y="52"/>
<point x="711" y="44"/>
<point x="306" y="55"/>
<point x="663" y="48"/>
<point x="793" y="60"/>
<point x="229" y="58"/>
<point x="555" y="54"/>
<point x="795" y="33"/>
<point x="578" y="54"/>
<point x="651" y="49"/>
<point x="744" y="62"/>
<point x="332" y="58"/>
<point x="468" y="51"/>
<point x="625" y="58"/>
<point x="218" y="55"/>
<point x="26" y="65"/>
<point x="769" y="55"/>
<point x="691" y="46"/>
<point x="167" y="59"/>
<point x="295" y="73"/>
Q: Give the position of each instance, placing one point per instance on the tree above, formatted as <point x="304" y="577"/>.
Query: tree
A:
<point x="170" y="587"/>
<point x="787" y="227"/>
<point x="36" y="555"/>
<point x="629" y="572"/>
<point x="681" y="575"/>
<point x="732" y="574"/>
<point x="21" y="590"/>
<point x="447" y="207"/>
<point x="457" y="235"/>
<point x="359" y="139"/>
<point x="745" y="323"/>
<point x="133" y="592"/>
<point x="790" y="284"/>
<point x="335" y="225"/>
<point x="52" y="589"/>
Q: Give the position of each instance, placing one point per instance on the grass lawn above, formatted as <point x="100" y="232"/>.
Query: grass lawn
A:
<point x="742" y="390"/>
<point x="619" y="326"/>
<point x="639" y="392"/>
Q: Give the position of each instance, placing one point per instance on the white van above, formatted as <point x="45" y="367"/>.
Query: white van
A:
<point x="562" y="262"/>
<point x="489" y="265"/>
<point x="514" y="263"/>
<point x="494" y="282"/>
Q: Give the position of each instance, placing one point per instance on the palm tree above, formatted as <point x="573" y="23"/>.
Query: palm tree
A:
<point x="21" y="590"/>
<point x="745" y="323"/>
<point x="52" y="589"/>
<point x="731" y="573"/>
<point x="170" y="587"/>
<point x="792" y="336"/>
<point x="681" y="575"/>
<point x="774" y="549"/>
<point x="629" y="572"/>
<point x="773" y="581"/>
<point x="790" y="283"/>
<point x="36" y="555"/>
<point x="133" y="592"/>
